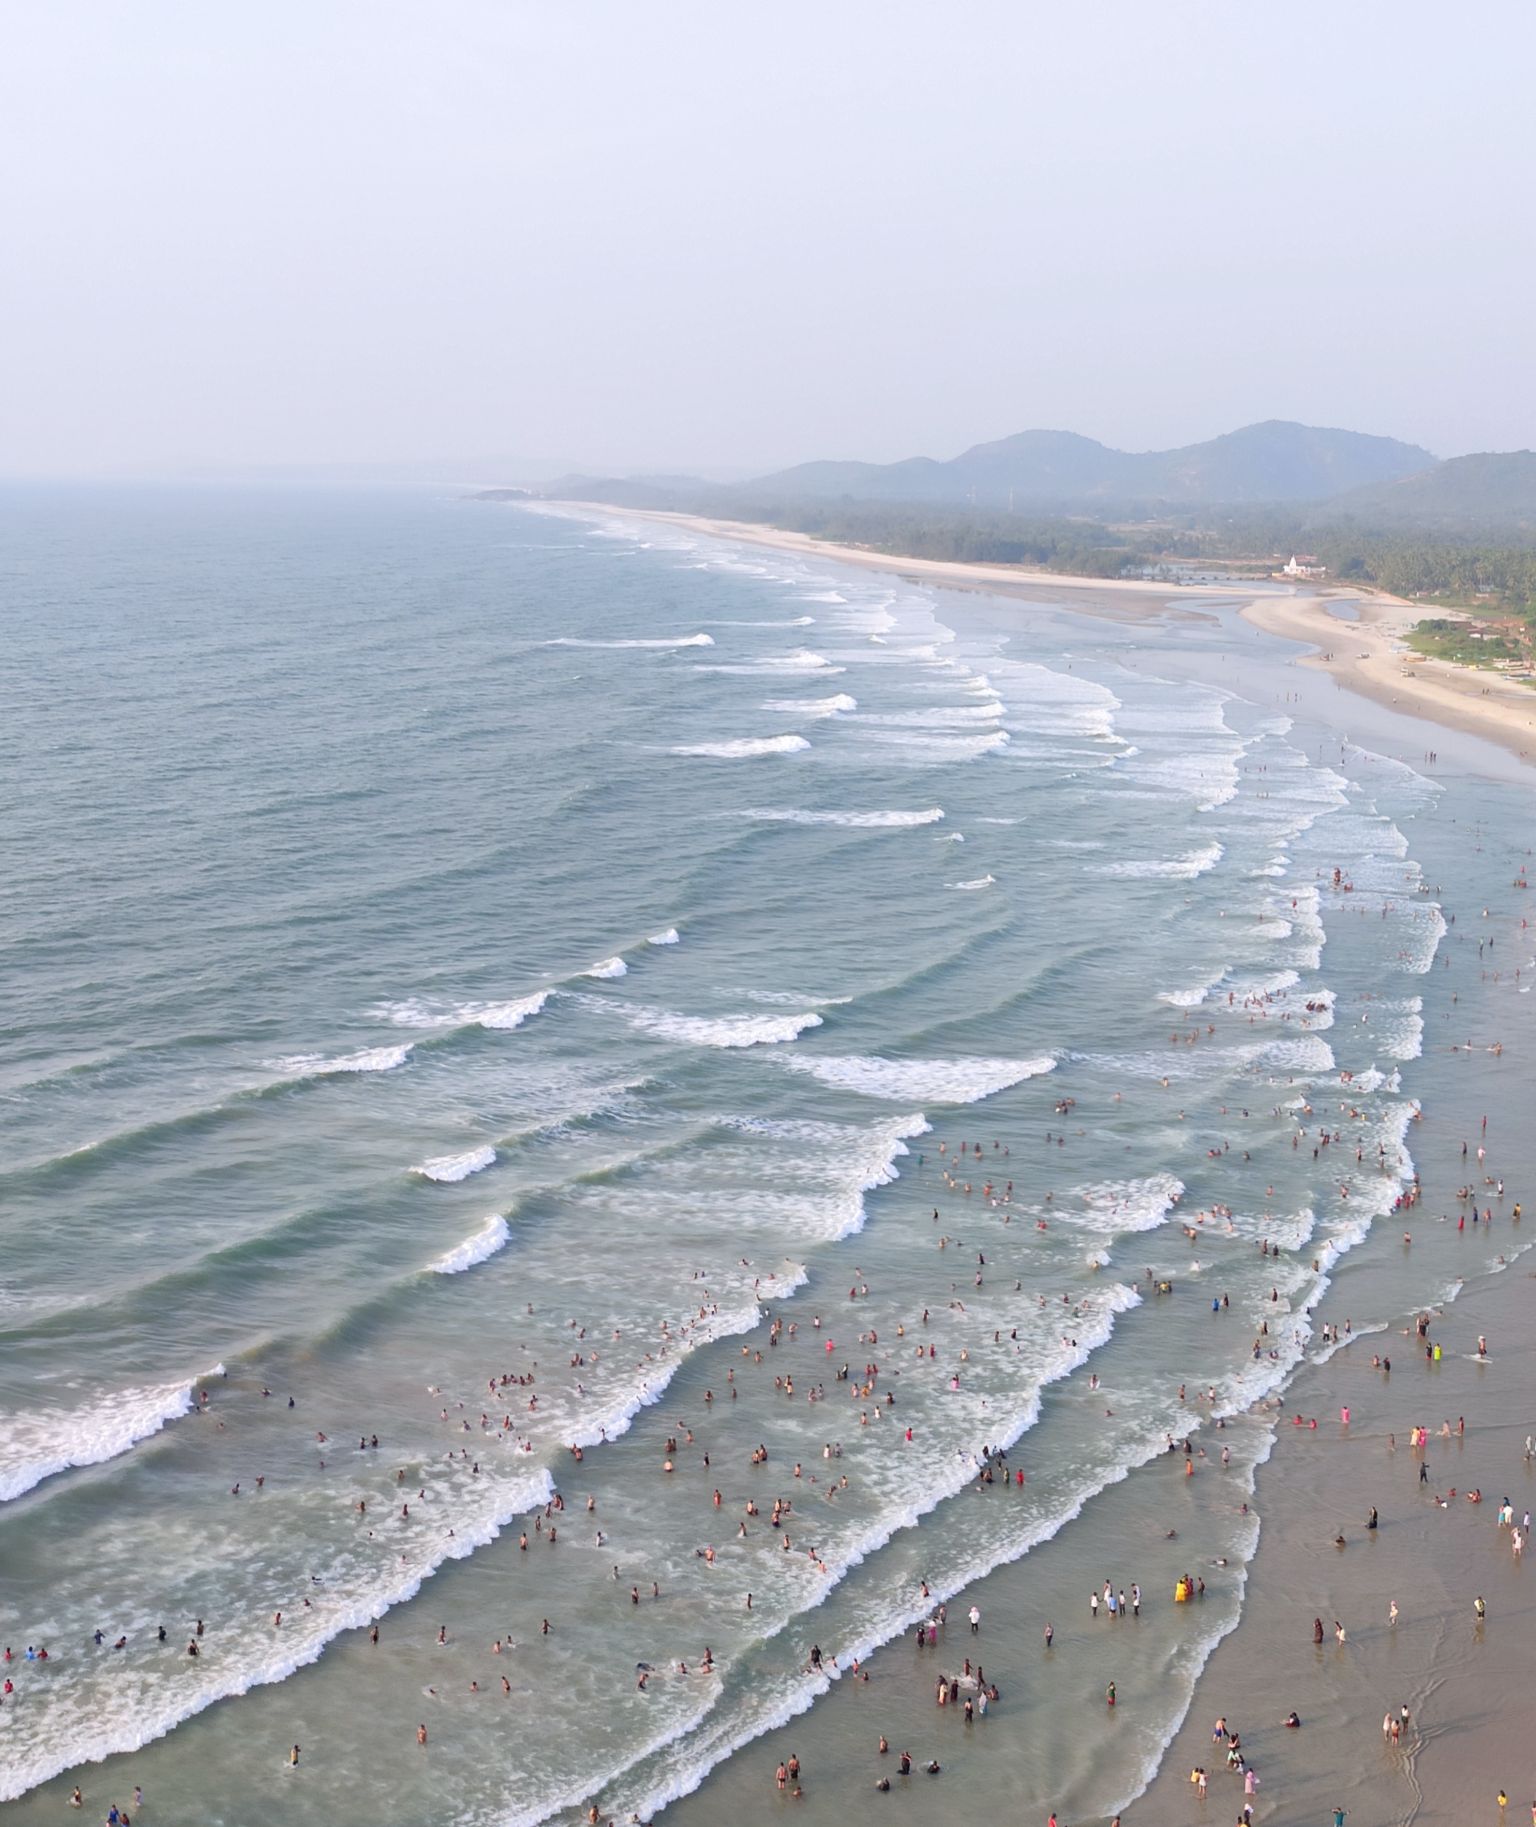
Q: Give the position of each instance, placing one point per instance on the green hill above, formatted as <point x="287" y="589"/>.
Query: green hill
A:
<point x="1492" y="492"/>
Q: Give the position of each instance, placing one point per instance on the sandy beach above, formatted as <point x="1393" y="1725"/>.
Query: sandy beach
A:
<point x="1125" y="599"/>
<point x="1434" y="1553"/>
<point x="1367" y="655"/>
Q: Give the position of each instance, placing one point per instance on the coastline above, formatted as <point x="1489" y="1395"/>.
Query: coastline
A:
<point x="1467" y="1738"/>
<point x="1123" y="599"/>
<point x="1366" y="656"/>
<point x="1369" y="656"/>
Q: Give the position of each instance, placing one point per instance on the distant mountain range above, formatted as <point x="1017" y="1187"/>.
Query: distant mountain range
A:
<point x="1272" y="462"/>
<point x="1316" y="476"/>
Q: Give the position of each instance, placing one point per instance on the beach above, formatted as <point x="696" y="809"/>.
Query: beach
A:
<point x="735" y="1106"/>
<point x="1365" y="653"/>
<point x="1368" y="654"/>
<point x="1116" y="598"/>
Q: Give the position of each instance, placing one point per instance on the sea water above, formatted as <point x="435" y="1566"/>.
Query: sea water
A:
<point x="576" y="1003"/>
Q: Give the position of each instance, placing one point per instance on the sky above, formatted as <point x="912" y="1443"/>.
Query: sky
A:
<point x="723" y="237"/>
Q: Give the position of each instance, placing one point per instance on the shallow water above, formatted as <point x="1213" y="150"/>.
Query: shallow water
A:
<point x="450" y="943"/>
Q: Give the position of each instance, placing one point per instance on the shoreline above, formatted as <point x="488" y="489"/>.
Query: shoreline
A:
<point x="1366" y="657"/>
<point x="1121" y="599"/>
<point x="1459" y="1678"/>
<point x="1370" y="658"/>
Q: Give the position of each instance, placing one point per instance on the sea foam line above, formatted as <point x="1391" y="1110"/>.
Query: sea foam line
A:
<point x="832" y="706"/>
<point x="794" y="815"/>
<point x="744" y="748"/>
<point x="1179" y="869"/>
<point x="939" y="1081"/>
<point x="449" y="1168"/>
<point x="732" y="1734"/>
<point x="422" y="1012"/>
<point x="491" y="1237"/>
<point x="727" y="1031"/>
<point x="686" y="640"/>
<point x="330" y="1614"/>
<point x="303" y="1066"/>
<point x="39" y="1445"/>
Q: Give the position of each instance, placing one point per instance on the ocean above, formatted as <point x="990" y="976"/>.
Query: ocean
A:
<point x="534" y="1038"/>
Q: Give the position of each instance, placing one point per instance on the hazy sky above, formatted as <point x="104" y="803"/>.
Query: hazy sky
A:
<point x="646" y="233"/>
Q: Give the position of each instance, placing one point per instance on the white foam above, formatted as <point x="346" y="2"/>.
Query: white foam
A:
<point x="607" y="967"/>
<point x="335" y="1608"/>
<point x="418" y="1012"/>
<point x="686" y="640"/>
<point x="841" y="1161"/>
<point x="503" y="1016"/>
<point x="1179" y="868"/>
<point x="729" y="1031"/>
<point x="1395" y="1026"/>
<point x="1430" y="928"/>
<point x="980" y="881"/>
<point x="684" y="1766"/>
<point x="1126" y="1205"/>
<point x="943" y="716"/>
<point x="793" y="815"/>
<point x="40" y="1444"/>
<point x="1308" y="1054"/>
<point x="822" y="596"/>
<point x="790" y="999"/>
<point x="449" y="1168"/>
<point x="931" y="748"/>
<point x="1046" y="702"/>
<point x="795" y="621"/>
<point x="491" y="1237"/>
<point x="669" y="937"/>
<point x="813" y="707"/>
<point x="316" y="1065"/>
<point x="744" y="748"/>
<point x="799" y="659"/>
<point x="938" y="1081"/>
<point x="1192" y="997"/>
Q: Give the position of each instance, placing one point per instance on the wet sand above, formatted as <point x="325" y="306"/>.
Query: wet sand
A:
<point x="1464" y="1684"/>
<point x="1370" y="656"/>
